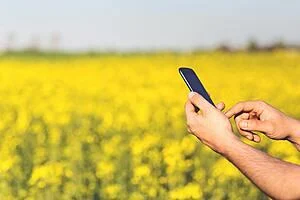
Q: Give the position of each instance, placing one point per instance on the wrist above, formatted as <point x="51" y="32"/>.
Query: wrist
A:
<point x="229" y="145"/>
<point x="294" y="131"/>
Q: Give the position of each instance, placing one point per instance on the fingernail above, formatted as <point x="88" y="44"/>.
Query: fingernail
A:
<point x="191" y="94"/>
<point x="244" y="124"/>
<point x="249" y="137"/>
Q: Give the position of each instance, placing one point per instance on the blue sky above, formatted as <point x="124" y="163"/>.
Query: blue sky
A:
<point x="131" y="24"/>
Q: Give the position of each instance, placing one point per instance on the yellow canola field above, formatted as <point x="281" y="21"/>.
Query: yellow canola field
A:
<point x="113" y="127"/>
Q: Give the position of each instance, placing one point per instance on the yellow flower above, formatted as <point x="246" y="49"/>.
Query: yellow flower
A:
<point x="190" y="191"/>
<point x="113" y="126"/>
<point x="112" y="191"/>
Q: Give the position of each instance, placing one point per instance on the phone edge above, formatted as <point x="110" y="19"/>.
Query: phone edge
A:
<point x="182" y="75"/>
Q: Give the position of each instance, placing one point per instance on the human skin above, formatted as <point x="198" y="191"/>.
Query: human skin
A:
<point x="277" y="178"/>
<point x="260" y="116"/>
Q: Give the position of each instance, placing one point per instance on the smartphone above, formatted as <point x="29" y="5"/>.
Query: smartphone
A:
<point x="194" y="84"/>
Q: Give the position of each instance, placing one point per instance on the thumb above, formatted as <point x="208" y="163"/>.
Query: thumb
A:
<point x="255" y="125"/>
<point x="199" y="101"/>
<point x="220" y="106"/>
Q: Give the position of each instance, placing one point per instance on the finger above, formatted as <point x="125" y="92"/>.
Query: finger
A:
<point x="246" y="133"/>
<point x="189" y="109"/>
<point x="199" y="101"/>
<point x="247" y="106"/>
<point x="253" y="115"/>
<point x="256" y="138"/>
<point x="255" y="125"/>
<point x="220" y="106"/>
<point x="238" y="119"/>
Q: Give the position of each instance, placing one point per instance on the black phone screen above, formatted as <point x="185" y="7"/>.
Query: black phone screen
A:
<point x="194" y="84"/>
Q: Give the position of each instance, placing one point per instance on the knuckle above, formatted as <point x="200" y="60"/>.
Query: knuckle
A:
<point x="189" y="130"/>
<point x="185" y="105"/>
<point x="237" y="118"/>
<point x="261" y="103"/>
<point x="252" y="124"/>
<point x="195" y="96"/>
<point x="189" y="123"/>
<point x="240" y="104"/>
<point x="271" y="128"/>
<point x="243" y="133"/>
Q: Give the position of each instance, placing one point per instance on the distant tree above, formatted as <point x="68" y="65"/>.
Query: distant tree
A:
<point x="55" y="41"/>
<point x="34" y="44"/>
<point x="10" y="42"/>
<point x="252" y="45"/>
<point x="279" y="44"/>
<point x="224" y="47"/>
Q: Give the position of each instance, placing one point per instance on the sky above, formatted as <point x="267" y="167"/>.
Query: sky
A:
<point x="147" y="25"/>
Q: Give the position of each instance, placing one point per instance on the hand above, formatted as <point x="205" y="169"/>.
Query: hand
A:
<point x="259" y="116"/>
<point x="209" y="125"/>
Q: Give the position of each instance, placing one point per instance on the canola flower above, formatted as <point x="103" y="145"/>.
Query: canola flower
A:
<point x="113" y="127"/>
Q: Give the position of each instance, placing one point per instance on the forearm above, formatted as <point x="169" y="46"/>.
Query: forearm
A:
<point x="277" y="178"/>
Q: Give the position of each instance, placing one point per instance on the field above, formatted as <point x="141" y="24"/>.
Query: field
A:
<point x="113" y="126"/>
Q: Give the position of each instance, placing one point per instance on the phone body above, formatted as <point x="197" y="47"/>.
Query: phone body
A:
<point x="194" y="84"/>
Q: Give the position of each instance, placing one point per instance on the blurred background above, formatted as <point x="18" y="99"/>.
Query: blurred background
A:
<point x="140" y="25"/>
<point x="91" y="102"/>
